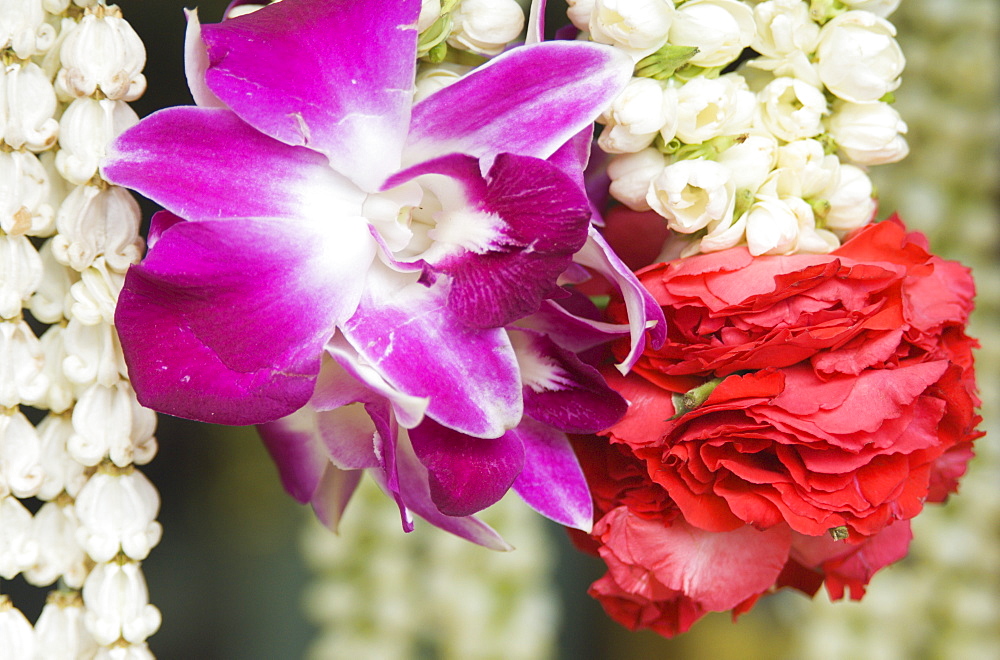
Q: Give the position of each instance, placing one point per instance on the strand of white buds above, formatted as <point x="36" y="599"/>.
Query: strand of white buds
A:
<point x="722" y="87"/>
<point x="66" y="239"/>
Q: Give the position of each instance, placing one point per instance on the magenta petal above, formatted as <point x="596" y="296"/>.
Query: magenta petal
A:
<point x="206" y="164"/>
<point x="529" y="101"/>
<point x="331" y="75"/>
<point x="466" y="474"/>
<point x="421" y="348"/>
<point x="225" y="321"/>
<point x="552" y="482"/>
<point x="334" y="493"/>
<point x="296" y="449"/>
<point x="562" y="391"/>
<point x="643" y="311"/>
<point x="574" y="332"/>
<point x="413" y="485"/>
<point x="196" y="63"/>
<point x="511" y="234"/>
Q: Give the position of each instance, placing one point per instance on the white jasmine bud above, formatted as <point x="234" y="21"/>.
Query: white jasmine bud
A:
<point x="93" y="354"/>
<point x="117" y="509"/>
<point x="722" y="234"/>
<point x="17" y="547"/>
<point x="579" y="12"/>
<point x="22" y="365"/>
<point x="791" y="109"/>
<point x="637" y="115"/>
<point x="810" y="239"/>
<point x="631" y="175"/>
<point x="750" y="161"/>
<point x="62" y="472"/>
<point x="60" y="631"/>
<point x="639" y="27"/>
<point x="851" y="202"/>
<point x="805" y="170"/>
<point x="710" y="107"/>
<point x="881" y="8"/>
<point x="129" y="652"/>
<point x="485" y="26"/>
<point x="719" y="29"/>
<point x="17" y="638"/>
<point x="430" y="11"/>
<point x="869" y="133"/>
<point x="95" y="222"/>
<point x="60" y="394"/>
<point x="118" y="604"/>
<point x="690" y="194"/>
<point x="27" y="106"/>
<point x="108" y="421"/>
<point x="59" y="555"/>
<point x="96" y="294"/>
<point x="784" y="27"/>
<point x="87" y="127"/>
<point x="20" y="455"/>
<point x="857" y="57"/>
<point x="434" y="77"/>
<point x="23" y="28"/>
<point x="24" y="195"/>
<point x="772" y="226"/>
<point x="20" y="273"/>
<point x="51" y="301"/>
<point x="103" y="53"/>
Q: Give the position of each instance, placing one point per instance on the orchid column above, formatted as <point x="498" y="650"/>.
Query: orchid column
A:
<point x="67" y="238"/>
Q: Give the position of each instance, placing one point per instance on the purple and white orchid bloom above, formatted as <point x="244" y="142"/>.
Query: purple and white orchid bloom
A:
<point x="342" y="266"/>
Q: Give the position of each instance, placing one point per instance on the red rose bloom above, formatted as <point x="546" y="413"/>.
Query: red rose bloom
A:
<point x="798" y="399"/>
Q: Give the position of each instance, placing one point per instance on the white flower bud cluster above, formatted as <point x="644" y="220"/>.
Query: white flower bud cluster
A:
<point x="377" y="595"/>
<point x="731" y="97"/>
<point x="66" y="240"/>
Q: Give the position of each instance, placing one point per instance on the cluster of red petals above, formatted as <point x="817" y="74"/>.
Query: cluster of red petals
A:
<point x="844" y="398"/>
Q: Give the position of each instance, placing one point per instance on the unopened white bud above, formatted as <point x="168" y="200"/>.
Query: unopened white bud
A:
<point x="60" y="631"/>
<point x="791" y="109"/>
<point x="722" y="234"/>
<point x="96" y="294"/>
<point x="20" y="273"/>
<point x="805" y="170"/>
<point x="434" y="77"/>
<point x="61" y="392"/>
<point x="631" y="174"/>
<point x="87" y="127"/>
<point x="637" y="115"/>
<point x="95" y="222"/>
<point x="20" y="455"/>
<point x="24" y="195"/>
<point x="639" y="27"/>
<point x="18" y="549"/>
<point x="118" y="604"/>
<point x="109" y="422"/>
<point x="772" y="227"/>
<point x="27" y="106"/>
<point x="23" y="28"/>
<point x="430" y="11"/>
<point x="51" y="301"/>
<point x="103" y="53"/>
<point x="690" y="194"/>
<point x="858" y="58"/>
<point x="851" y="202"/>
<point x="710" y="107"/>
<point x="750" y="161"/>
<point x="93" y="354"/>
<point x="117" y="511"/>
<point x="786" y="37"/>
<point x="881" y="8"/>
<point x="22" y="365"/>
<point x="719" y="29"/>
<point x="62" y="472"/>
<point x="579" y="12"/>
<point x="810" y="239"/>
<point x="59" y="555"/>
<point x="485" y="26"/>
<point x="869" y="133"/>
<point x="126" y="652"/>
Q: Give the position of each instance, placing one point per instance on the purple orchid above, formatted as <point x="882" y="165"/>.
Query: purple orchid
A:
<point x="346" y="268"/>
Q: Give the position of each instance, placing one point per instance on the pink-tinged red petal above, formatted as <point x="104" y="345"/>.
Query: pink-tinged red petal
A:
<point x="551" y="481"/>
<point x="644" y="313"/>
<point x="415" y="492"/>
<point x="407" y="333"/>
<point x="196" y="63"/>
<point x="530" y="101"/>
<point x="331" y="75"/>
<point x="560" y="390"/>
<point x="207" y="164"/>
<point x="226" y="321"/>
<point x="466" y="474"/>
<point x="502" y="240"/>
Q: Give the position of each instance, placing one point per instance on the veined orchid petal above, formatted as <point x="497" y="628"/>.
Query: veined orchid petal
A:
<point x="330" y="75"/>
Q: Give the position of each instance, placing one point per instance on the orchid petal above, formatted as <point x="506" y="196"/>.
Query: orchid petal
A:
<point x="406" y="332"/>
<point x="330" y="75"/>
<point x="196" y="63"/>
<point x="560" y="390"/>
<point x="530" y="101"/>
<point x="415" y="491"/>
<point x="225" y="321"/>
<point x="466" y="474"/>
<point x="643" y="311"/>
<point x="552" y="482"/>
<point x="333" y="495"/>
<point x="570" y="331"/>
<point x="502" y="240"/>
<point x="206" y="164"/>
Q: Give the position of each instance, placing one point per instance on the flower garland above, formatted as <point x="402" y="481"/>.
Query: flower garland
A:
<point x="67" y="237"/>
